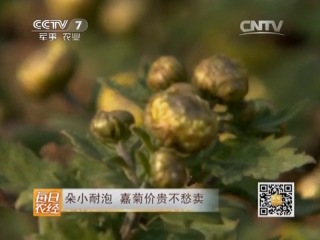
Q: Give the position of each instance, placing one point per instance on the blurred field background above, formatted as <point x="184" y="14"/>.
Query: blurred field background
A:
<point x="123" y="34"/>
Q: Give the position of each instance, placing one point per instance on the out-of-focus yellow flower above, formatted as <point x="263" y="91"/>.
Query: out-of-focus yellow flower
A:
<point x="122" y="16"/>
<point x="69" y="9"/>
<point x="309" y="186"/>
<point x="47" y="70"/>
<point x="110" y="99"/>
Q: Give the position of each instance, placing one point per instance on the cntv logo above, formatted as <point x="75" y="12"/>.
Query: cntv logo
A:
<point x="260" y="27"/>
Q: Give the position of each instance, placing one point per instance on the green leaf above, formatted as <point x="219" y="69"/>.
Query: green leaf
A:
<point x="271" y="122"/>
<point x="53" y="175"/>
<point x="16" y="225"/>
<point x="140" y="157"/>
<point x="19" y="166"/>
<point x="34" y="137"/>
<point x="182" y="221"/>
<point x="25" y="200"/>
<point x="94" y="174"/>
<point x="138" y="93"/>
<point x="58" y="122"/>
<point x="143" y="72"/>
<point x="226" y="230"/>
<point x="211" y="225"/>
<point x="246" y="188"/>
<point x="305" y="207"/>
<point x="107" y="171"/>
<point x="93" y="96"/>
<point x="298" y="231"/>
<point x="72" y="226"/>
<point x="82" y="145"/>
<point x="144" y="137"/>
<point x="142" y="162"/>
<point x="159" y="231"/>
<point x="195" y="160"/>
<point x="231" y="207"/>
<point x="90" y="147"/>
<point x="253" y="229"/>
<point x="260" y="159"/>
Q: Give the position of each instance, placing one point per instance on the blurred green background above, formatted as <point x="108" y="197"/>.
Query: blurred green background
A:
<point x="123" y="34"/>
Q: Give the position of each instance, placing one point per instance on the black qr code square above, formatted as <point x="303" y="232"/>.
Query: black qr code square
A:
<point x="275" y="199"/>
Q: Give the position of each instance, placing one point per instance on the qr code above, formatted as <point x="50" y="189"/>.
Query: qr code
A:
<point x="276" y="199"/>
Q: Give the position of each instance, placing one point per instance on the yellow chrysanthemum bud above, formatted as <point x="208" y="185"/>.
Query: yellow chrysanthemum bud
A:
<point x="183" y="88"/>
<point x="111" y="126"/>
<point x="182" y="121"/>
<point x="168" y="170"/>
<point x="165" y="71"/>
<point x="47" y="70"/>
<point x="222" y="77"/>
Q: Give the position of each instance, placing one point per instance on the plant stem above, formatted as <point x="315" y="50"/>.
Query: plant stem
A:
<point x="4" y="199"/>
<point x="130" y="171"/>
<point x="122" y="151"/>
<point x="132" y="218"/>
<point x="130" y="221"/>
<point x="74" y="102"/>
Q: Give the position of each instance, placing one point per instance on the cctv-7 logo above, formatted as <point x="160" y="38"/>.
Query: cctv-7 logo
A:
<point x="78" y="22"/>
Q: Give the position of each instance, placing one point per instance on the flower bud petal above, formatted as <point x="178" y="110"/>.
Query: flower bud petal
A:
<point x="182" y="121"/>
<point x="222" y="77"/>
<point x="165" y="71"/>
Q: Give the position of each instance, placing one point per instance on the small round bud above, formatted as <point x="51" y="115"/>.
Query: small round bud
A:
<point x="183" y="88"/>
<point x="47" y="70"/>
<point x="165" y="71"/>
<point x="181" y="121"/>
<point x="111" y="126"/>
<point x="168" y="170"/>
<point x="124" y="117"/>
<point x="222" y="78"/>
<point x="244" y="112"/>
